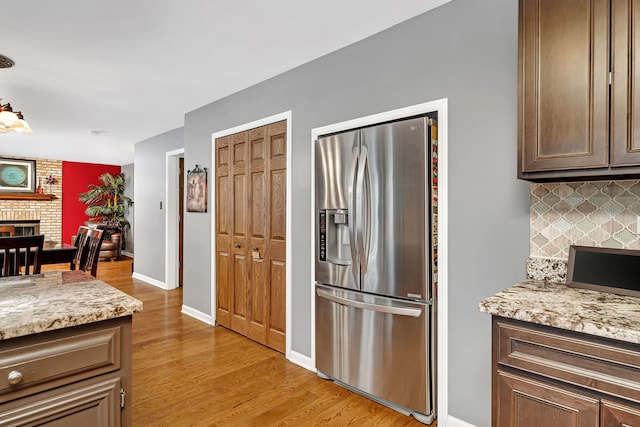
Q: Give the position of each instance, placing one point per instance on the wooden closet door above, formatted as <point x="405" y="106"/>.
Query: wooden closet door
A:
<point x="232" y="267"/>
<point x="240" y="254"/>
<point x="250" y="233"/>
<point x="268" y="220"/>
<point x="276" y="244"/>
<point x="259" y="199"/>
<point x="224" y="223"/>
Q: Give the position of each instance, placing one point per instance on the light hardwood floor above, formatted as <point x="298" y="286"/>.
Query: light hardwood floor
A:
<point x="188" y="373"/>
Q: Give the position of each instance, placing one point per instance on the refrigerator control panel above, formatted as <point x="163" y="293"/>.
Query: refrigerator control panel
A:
<point x="322" y="237"/>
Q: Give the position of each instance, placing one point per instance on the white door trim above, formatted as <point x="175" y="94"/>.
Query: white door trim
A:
<point x="441" y="107"/>
<point x="172" y="219"/>
<point x="241" y="128"/>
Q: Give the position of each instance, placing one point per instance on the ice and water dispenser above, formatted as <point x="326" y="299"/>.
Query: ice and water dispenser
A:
<point x="333" y="236"/>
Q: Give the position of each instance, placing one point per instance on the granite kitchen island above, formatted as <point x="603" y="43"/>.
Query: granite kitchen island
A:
<point x="563" y="356"/>
<point x="65" y="350"/>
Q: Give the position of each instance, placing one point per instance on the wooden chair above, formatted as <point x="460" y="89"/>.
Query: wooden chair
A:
<point x="7" y="230"/>
<point x="87" y="242"/>
<point x="21" y="251"/>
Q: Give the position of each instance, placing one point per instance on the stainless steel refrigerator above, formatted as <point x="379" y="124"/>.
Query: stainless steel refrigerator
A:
<point x="376" y="210"/>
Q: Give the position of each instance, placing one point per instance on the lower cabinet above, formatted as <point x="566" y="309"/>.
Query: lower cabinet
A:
<point x="549" y="377"/>
<point x="524" y="402"/>
<point x="77" y="376"/>
<point x="619" y="415"/>
<point x="95" y="404"/>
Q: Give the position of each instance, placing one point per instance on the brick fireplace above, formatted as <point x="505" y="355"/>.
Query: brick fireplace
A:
<point x="25" y="228"/>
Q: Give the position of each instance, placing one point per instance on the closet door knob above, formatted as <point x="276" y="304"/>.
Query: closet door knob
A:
<point x="238" y="245"/>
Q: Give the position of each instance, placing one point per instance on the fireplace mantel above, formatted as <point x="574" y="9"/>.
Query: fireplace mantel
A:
<point x="27" y="196"/>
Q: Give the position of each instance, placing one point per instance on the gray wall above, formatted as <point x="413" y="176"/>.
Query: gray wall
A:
<point x="128" y="171"/>
<point x="465" y="51"/>
<point x="489" y="208"/>
<point x="149" y="191"/>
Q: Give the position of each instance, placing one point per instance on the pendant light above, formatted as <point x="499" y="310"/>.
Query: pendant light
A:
<point x="10" y="121"/>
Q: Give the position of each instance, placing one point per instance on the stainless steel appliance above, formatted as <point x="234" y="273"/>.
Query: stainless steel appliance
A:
<point x="376" y="208"/>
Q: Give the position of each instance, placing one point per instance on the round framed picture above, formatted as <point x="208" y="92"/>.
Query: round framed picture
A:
<point x="17" y="175"/>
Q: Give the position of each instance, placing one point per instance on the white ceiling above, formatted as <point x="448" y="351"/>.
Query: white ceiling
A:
<point x="131" y="69"/>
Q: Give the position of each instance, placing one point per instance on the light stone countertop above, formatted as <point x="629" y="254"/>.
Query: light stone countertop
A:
<point x="560" y="306"/>
<point x="58" y="299"/>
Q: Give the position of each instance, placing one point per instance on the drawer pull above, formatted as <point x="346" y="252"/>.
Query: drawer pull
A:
<point x="15" y="377"/>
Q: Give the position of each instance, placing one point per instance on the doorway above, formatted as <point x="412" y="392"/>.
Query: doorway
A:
<point x="271" y="258"/>
<point x="173" y="218"/>
<point x="250" y="233"/>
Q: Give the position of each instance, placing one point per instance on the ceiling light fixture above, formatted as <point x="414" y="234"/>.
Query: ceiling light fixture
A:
<point x="6" y="62"/>
<point x="10" y="121"/>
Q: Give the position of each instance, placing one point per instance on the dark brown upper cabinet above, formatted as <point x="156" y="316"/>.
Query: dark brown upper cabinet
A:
<point x="578" y="103"/>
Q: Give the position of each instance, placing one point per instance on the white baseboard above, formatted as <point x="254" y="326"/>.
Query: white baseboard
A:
<point x="196" y="314"/>
<point x="301" y="360"/>
<point x="127" y="254"/>
<point x="150" y="280"/>
<point x="454" y="422"/>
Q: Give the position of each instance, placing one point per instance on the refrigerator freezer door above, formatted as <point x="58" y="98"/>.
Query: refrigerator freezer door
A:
<point x="375" y="344"/>
<point x="336" y="163"/>
<point x="397" y="193"/>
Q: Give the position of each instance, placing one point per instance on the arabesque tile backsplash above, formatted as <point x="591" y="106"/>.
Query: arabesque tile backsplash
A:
<point x="599" y="213"/>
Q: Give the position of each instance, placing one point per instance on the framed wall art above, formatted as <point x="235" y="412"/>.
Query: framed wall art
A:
<point x="17" y="175"/>
<point x="197" y="190"/>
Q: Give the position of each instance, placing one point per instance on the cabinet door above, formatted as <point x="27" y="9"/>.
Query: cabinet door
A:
<point x="522" y="402"/>
<point x="618" y="415"/>
<point x="563" y="120"/>
<point x="625" y="92"/>
<point x="95" y="405"/>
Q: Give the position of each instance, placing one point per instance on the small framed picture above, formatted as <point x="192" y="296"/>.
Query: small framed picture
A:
<point x="17" y="175"/>
<point x="197" y="190"/>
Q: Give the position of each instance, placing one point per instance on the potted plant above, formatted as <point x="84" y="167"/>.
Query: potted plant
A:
<point x="107" y="203"/>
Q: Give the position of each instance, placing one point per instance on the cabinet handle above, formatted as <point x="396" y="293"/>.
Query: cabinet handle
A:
<point x="255" y="248"/>
<point x="238" y="245"/>
<point x="15" y="377"/>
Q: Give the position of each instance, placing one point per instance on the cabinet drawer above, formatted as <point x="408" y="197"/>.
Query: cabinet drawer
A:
<point x="596" y="364"/>
<point x="57" y="361"/>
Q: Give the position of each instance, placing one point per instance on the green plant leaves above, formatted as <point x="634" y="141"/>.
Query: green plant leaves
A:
<point x="106" y="202"/>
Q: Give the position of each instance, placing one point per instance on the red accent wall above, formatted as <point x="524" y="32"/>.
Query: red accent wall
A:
<point x="75" y="180"/>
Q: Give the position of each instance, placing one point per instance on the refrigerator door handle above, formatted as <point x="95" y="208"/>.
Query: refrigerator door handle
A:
<point x="361" y="210"/>
<point x="351" y="209"/>
<point x="400" y="311"/>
